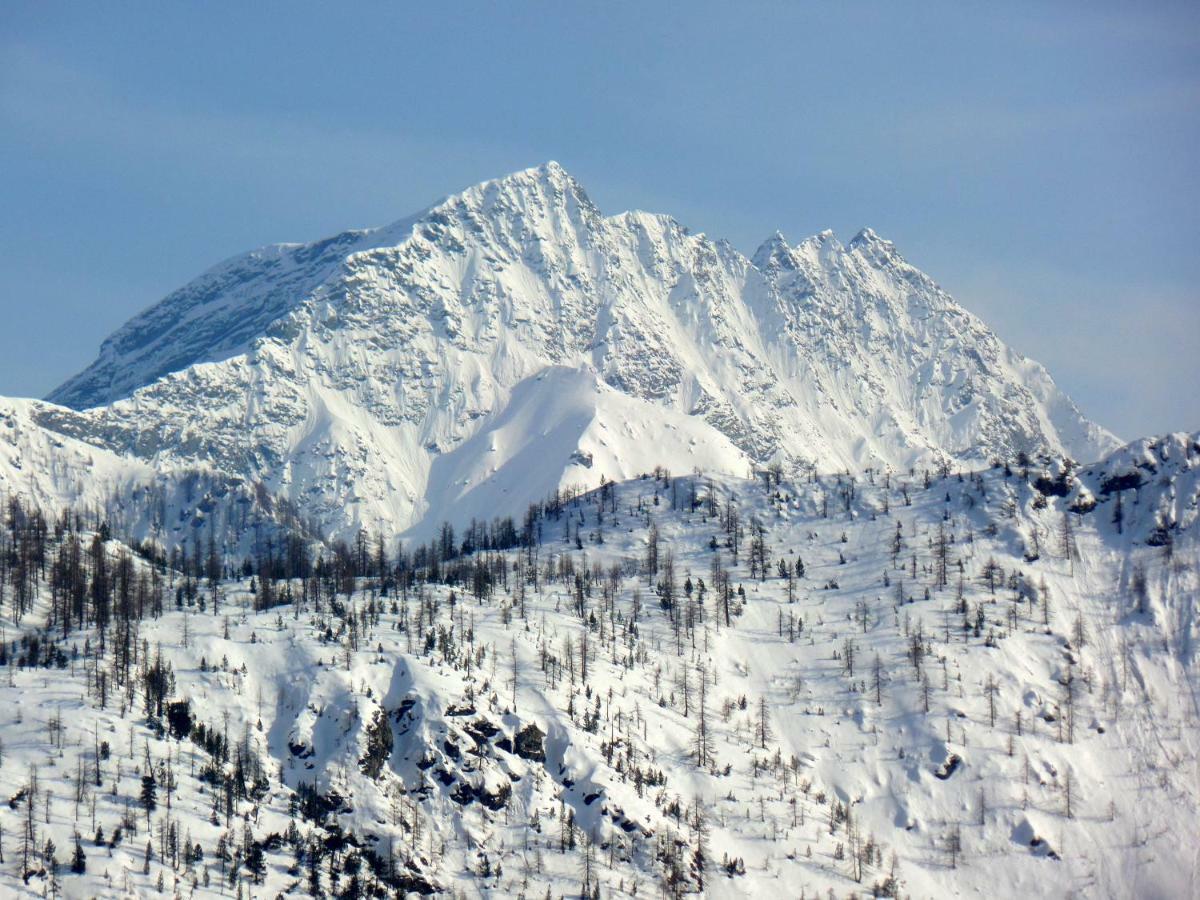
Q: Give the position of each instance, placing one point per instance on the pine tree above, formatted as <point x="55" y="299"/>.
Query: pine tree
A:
<point x="700" y="832"/>
<point x="941" y="555"/>
<point x="1137" y="586"/>
<point x="954" y="845"/>
<point x="1066" y="541"/>
<point x="762" y="728"/>
<point x="991" y="689"/>
<point x="702" y="744"/>
<point x="514" y="671"/>
<point x="78" y="859"/>
<point x="149" y="796"/>
<point x="848" y="650"/>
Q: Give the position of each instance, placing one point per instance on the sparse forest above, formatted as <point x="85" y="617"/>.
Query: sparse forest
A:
<point x="850" y="684"/>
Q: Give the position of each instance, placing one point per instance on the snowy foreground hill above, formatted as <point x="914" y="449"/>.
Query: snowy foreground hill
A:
<point x="509" y="340"/>
<point x="925" y="684"/>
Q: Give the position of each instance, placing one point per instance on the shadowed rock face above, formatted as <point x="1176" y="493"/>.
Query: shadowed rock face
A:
<point x="512" y="338"/>
<point x="529" y="744"/>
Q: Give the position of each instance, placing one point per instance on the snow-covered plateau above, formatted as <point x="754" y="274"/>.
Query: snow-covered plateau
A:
<point x="513" y="550"/>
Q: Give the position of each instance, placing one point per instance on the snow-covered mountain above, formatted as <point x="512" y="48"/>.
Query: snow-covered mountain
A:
<point x="512" y="338"/>
<point x="898" y="621"/>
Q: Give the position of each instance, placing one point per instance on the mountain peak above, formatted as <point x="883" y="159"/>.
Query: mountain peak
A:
<point x="865" y="236"/>
<point x="824" y="239"/>
<point x="549" y="172"/>
<point x="540" y="193"/>
<point x="387" y="365"/>
<point x="773" y="253"/>
<point x="868" y="241"/>
<point x="550" y="177"/>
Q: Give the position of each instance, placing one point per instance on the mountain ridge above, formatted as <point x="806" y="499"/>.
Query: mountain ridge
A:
<point x="336" y="373"/>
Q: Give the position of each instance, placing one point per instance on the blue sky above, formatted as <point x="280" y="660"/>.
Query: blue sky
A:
<point x="1039" y="160"/>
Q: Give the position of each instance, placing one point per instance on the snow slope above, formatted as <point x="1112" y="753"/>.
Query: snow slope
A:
<point x="351" y="378"/>
<point x="1088" y="691"/>
<point x="50" y="469"/>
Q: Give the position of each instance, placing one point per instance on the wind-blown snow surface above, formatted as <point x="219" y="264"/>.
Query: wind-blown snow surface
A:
<point x="373" y="379"/>
<point x="915" y="761"/>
